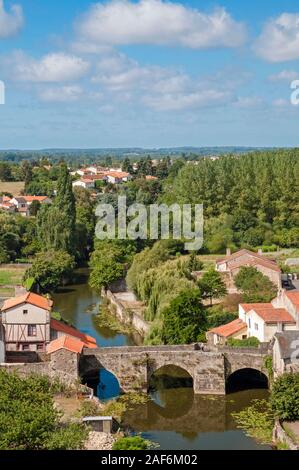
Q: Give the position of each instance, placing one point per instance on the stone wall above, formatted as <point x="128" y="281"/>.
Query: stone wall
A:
<point x="127" y="312"/>
<point x="279" y="435"/>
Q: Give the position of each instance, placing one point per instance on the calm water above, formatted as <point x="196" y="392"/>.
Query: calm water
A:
<point x="174" y="418"/>
<point x="80" y="304"/>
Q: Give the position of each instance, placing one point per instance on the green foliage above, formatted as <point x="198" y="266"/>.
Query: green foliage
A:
<point x="219" y="318"/>
<point x="285" y="397"/>
<point x="268" y="363"/>
<point x="50" y="269"/>
<point x="184" y="320"/>
<point x="56" y="223"/>
<point x="254" y="285"/>
<point x="28" y="419"/>
<point x="212" y="286"/>
<point x="257" y="420"/>
<point x="108" y="262"/>
<point x="131" y="443"/>
<point x="251" y="342"/>
<point x="89" y="408"/>
<point x="248" y="199"/>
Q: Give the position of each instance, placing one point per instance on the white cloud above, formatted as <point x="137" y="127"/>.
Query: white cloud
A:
<point x="280" y="103"/>
<point x="187" y="100"/>
<point x="248" y="101"/>
<point x="54" y="67"/>
<point x="279" y="40"/>
<point x="284" y="76"/>
<point x="161" y="23"/>
<point x="10" y="22"/>
<point x="62" y="94"/>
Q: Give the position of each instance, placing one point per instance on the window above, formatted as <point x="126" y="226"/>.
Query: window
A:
<point x="25" y="312"/>
<point x="249" y="322"/>
<point x="40" y="347"/>
<point x="256" y="327"/>
<point x="244" y="336"/>
<point x="25" y="347"/>
<point x="31" y="330"/>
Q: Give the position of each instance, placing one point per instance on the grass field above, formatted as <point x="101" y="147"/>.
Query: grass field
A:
<point x="11" y="277"/>
<point x="4" y="292"/>
<point x="13" y="187"/>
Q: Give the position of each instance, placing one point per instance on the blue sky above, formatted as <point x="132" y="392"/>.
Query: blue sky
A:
<point x="148" y="73"/>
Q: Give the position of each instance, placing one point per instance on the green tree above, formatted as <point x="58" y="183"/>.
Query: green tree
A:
<point x="34" y="208"/>
<point x="284" y="398"/>
<point x="254" y="286"/>
<point x="131" y="443"/>
<point x="28" y="418"/>
<point x="50" y="269"/>
<point x="211" y="286"/>
<point x="57" y="223"/>
<point x="184" y="321"/>
<point x="108" y="262"/>
<point x="5" y="172"/>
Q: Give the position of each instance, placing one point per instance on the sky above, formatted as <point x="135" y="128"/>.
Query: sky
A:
<point x="148" y="73"/>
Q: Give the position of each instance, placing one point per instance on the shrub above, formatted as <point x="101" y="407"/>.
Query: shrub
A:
<point x="251" y="342"/>
<point x="131" y="443"/>
<point x="285" y="397"/>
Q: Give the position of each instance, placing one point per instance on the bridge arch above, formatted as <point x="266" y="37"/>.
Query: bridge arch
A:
<point x="246" y="378"/>
<point x="170" y="375"/>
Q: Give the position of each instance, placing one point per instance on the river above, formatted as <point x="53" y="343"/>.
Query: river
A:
<point x="174" y="418"/>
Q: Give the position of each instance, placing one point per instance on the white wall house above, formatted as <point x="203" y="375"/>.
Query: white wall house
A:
<point x="262" y="320"/>
<point x="85" y="183"/>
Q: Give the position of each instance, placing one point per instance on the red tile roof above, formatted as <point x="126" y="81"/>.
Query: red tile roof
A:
<point x="29" y="298"/>
<point x="66" y="342"/>
<point x="251" y="253"/>
<point x="35" y="198"/>
<point x="248" y="307"/>
<point x="230" y="328"/>
<point x="274" y="315"/>
<point x="88" y="341"/>
<point x="255" y="262"/>
<point x="293" y="297"/>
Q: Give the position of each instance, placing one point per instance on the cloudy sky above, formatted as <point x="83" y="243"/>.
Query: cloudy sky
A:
<point x="150" y="73"/>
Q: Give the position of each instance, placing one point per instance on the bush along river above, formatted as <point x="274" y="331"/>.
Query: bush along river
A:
<point x="174" y="418"/>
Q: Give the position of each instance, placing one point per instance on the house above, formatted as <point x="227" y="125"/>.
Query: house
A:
<point x="84" y="182"/>
<point x="26" y="321"/>
<point x="21" y="205"/>
<point x="60" y="329"/>
<point x="66" y="342"/>
<point x="285" y="352"/>
<point x="40" y="199"/>
<point x="6" y="205"/>
<point x="232" y="263"/>
<point x="262" y="320"/>
<point x="236" y="329"/>
<point x="117" y="176"/>
<point x="28" y="325"/>
<point x="151" y="178"/>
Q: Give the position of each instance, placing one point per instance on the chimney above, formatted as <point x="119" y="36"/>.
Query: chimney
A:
<point x="260" y="251"/>
<point x="228" y="251"/>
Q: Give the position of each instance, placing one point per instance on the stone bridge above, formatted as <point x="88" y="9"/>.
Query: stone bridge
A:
<point x="133" y="366"/>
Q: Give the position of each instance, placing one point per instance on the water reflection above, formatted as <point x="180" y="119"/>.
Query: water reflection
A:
<point x="188" y="421"/>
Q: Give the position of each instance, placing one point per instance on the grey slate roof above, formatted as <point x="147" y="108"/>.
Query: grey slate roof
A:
<point x="285" y="342"/>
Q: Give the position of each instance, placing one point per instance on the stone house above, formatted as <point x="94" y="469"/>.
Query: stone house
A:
<point x="236" y="329"/>
<point x="285" y="352"/>
<point x="232" y="263"/>
<point x="26" y="321"/>
<point x="28" y="325"/>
